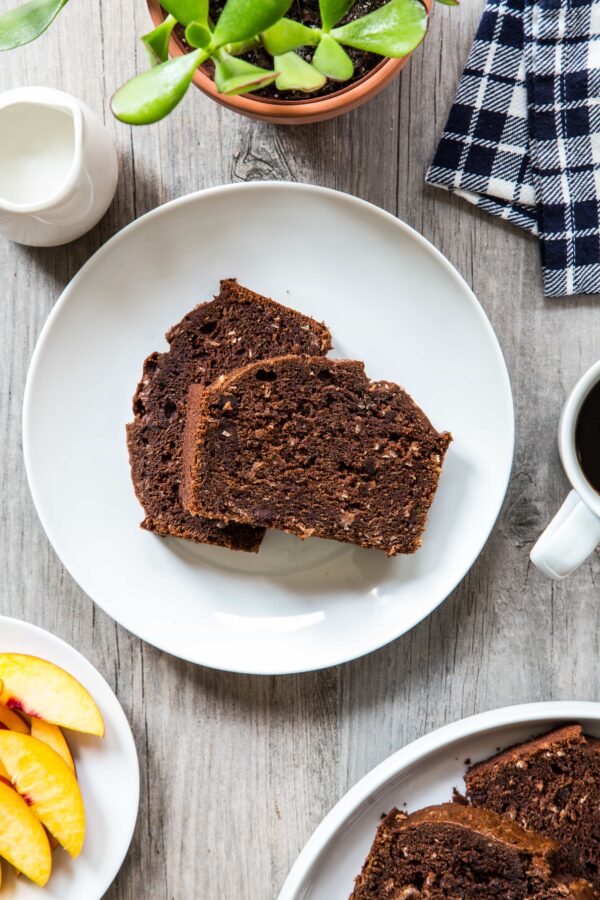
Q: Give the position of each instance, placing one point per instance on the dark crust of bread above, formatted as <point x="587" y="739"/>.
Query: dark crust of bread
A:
<point x="234" y="328"/>
<point x="455" y="851"/>
<point x="312" y="447"/>
<point x="550" y="785"/>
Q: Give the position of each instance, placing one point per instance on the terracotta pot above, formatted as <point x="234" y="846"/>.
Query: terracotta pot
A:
<point x="293" y="112"/>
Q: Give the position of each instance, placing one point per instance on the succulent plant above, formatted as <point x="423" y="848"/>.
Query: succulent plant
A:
<point x="394" y="29"/>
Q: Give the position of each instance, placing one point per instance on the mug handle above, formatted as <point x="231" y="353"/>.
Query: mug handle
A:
<point x="572" y="535"/>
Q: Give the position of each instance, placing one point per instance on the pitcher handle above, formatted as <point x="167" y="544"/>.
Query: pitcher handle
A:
<point x="77" y="214"/>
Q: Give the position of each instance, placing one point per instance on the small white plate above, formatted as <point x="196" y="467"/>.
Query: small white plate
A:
<point x="389" y="298"/>
<point x="421" y="774"/>
<point x="107" y="770"/>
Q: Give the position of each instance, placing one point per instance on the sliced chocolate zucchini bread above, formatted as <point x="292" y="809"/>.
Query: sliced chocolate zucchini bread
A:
<point x="550" y="785"/>
<point x="454" y="851"/>
<point x="313" y="447"/>
<point x="231" y="330"/>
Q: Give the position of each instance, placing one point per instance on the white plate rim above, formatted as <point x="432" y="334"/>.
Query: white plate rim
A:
<point x="117" y="710"/>
<point x="553" y="711"/>
<point x="247" y="187"/>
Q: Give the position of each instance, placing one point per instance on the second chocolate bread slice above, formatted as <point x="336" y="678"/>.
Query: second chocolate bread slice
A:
<point x="311" y="446"/>
<point x="551" y="785"/>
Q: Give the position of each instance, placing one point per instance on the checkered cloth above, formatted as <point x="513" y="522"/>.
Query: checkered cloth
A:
<point x="523" y="137"/>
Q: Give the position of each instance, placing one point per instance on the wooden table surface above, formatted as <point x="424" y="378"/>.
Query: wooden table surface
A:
<point x="237" y="771"/>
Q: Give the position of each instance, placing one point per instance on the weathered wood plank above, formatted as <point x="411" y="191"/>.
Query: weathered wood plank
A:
<point x="237" y="771"/>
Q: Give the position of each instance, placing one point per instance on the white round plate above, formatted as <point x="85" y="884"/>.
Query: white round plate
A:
<point x="389" y="298"/>
<point x="422" y="774"/>
<point x="107" y="770"/>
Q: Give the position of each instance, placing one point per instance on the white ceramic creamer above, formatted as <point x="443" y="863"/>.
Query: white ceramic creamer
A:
<point x="58" y="167"/>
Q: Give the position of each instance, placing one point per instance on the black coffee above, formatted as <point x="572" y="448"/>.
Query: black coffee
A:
<point x="587" y="437"/>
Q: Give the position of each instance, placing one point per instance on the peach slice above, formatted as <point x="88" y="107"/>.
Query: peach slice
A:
<point x="54" y="845"/>
<point x="53" y="736"/>
<point x="45" y="691"/>
<point x="12" y="721"/>
<point x="23" y="841"/>
<point x="47" y="785"/>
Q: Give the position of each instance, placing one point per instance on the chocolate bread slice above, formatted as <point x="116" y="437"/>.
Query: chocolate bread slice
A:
<point x="455" y="851"/>
<point x="311" y="446"/>
<point x="550" y="785"/>
<point x="234" y="328"/>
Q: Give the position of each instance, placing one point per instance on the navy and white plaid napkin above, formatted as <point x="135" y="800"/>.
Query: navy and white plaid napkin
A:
<point x="523" y="138"/>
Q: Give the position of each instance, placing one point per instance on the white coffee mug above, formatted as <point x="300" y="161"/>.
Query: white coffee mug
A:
<point x="574" y="533"/>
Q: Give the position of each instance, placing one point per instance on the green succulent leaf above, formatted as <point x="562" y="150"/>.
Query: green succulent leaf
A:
<point x="244" y="19"/>
<point x="241" y="47"/>
<point x="449" y="2"/>
<point x="295" y="74"/>
<point x="186" y="11"/>
<point x="156" y="42"/>
<point x="25" y="23"/>
<point x="394" y="29"/>
<point x="151" y="96"/>
<point x="198" y="35"/>
<point x="288" y="35"/>
<point x="236" y="76"/>
<point x="333" y="10"/>
<point x="331" y="60"/>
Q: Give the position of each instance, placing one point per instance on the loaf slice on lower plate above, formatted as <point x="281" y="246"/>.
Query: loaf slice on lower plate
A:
<point x="312" y="447"/>
<point x="552" y="785"/>
<point x="454" y="851"/>
<point x="229" y="331"/>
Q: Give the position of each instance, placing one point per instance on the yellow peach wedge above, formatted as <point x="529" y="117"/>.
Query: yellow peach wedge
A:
<point x="23" y="841"/>
<point x="45" y="691"/>
<point x="12" y="721"/>
<point x="53" y="736"/>
<point x="48" y="786"/>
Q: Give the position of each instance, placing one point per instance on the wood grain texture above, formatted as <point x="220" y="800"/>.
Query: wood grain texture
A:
<point x="237" y="771"/>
